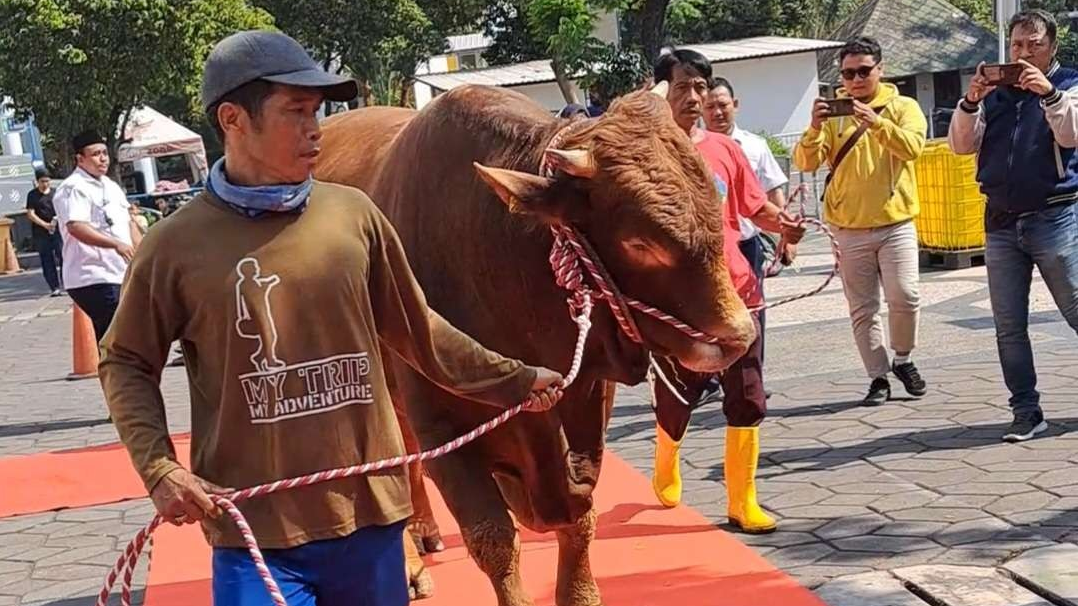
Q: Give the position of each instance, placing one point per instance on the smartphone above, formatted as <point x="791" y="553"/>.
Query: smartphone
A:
<point x="1003" y="74"/>
<point x="840" y="107"/>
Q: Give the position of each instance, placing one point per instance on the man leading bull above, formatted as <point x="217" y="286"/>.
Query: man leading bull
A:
<point x="285" y="288"/>
<point x="688" y="75"/>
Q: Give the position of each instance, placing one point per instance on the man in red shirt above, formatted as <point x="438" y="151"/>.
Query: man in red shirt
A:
<point x="688" y="75"/>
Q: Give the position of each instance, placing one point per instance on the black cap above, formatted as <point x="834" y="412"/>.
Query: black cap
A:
<point x="85" y="138"/>
<point x="262" y="55"/>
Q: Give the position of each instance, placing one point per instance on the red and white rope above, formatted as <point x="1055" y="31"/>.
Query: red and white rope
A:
<point x="800" y="194"/>
<point x="570" y="258"/>
<point x="581" y="311"/>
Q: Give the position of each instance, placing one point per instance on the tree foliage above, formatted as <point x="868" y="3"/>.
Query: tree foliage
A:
<point x="379" y="41"/>
<point x="505" y="22"/>
<point x="705" y="20"/>
<point x="563" y="31"/>
<point x="86" y="64"/>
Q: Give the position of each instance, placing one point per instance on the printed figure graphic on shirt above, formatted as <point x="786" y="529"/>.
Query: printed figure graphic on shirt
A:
<point x="720" y="185"/>
<point x="254" y="316"/>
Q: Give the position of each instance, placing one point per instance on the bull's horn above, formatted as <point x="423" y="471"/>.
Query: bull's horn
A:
<point x="661" y="88"/>
<point x="576" y="162"/>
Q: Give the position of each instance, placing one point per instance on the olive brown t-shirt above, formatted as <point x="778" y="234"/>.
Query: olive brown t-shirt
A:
<point x="280" y="319"/>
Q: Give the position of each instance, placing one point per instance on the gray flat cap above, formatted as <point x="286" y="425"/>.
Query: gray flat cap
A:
<point x="260" y="55"/>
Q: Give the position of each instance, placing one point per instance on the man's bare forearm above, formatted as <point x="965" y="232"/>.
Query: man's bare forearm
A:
<point x="38" y="220"/>
<point x="768" y="218"/>
<point x="85" y="233"/>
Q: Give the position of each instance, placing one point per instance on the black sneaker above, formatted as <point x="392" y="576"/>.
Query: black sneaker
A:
<point x="878" y="393"/>
<point x="911" y="378"/>
<point x="1025" y="426"/>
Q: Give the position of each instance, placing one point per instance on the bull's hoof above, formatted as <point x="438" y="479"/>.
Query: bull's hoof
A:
<point x="429" y="544"/>
<point x="432" y="544"/>
<point x="421" y="586"/>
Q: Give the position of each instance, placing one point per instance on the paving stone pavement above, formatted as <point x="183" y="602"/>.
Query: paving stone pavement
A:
<point x="857" y="491"/>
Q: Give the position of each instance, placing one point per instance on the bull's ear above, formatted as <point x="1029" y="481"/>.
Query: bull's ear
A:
<point x="531" y="194"/>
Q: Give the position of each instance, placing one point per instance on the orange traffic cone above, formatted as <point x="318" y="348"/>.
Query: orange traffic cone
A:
<point x="9" y="261"/>
<point x="84" y="355"/>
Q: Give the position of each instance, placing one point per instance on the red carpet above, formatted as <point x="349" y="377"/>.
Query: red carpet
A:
<point x="642" y="556"/>
<point x="73" y="478"/>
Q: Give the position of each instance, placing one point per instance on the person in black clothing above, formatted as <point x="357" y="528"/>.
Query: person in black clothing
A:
<point x="46" y="236"/>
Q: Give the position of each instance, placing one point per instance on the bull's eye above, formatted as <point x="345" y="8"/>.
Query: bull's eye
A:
<point x="644" y="252"/>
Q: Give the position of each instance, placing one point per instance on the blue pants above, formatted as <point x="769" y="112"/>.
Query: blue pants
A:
<point x="99" y="301"/>
<point x="50" y="249"/>
<point x="1049" y="240"/>
<point x="753" y="250"/>
<point x="365" y="568"/>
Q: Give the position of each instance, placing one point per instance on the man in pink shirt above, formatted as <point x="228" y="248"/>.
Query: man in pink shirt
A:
<point x="688" y="74"/>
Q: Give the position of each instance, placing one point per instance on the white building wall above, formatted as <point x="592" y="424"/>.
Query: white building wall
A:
<point x="435" y="65"/>
<point x="548" y="94"/>
<point x="926" y="93"/>
<point x="423" y="94"/>
<point x="776" y="93"/>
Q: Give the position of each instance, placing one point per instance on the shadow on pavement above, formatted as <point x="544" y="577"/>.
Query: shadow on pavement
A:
<point x="24" y="429"/>
<point x="24" y="286"/>
<point x="959" y="437"/>
<point x="137" y="597"/>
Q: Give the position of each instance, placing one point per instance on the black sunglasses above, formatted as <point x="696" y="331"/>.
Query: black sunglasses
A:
<point x="863" y="72"/>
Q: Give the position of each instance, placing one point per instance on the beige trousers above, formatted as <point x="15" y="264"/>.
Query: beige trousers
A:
<point x="869" y="257"/>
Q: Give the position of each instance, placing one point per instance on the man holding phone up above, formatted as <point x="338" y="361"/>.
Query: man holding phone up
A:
<point x="1024" y="129"/>
<point x="870" y="200"/>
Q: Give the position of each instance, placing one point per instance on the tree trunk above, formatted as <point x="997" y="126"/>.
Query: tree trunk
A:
<point x="366" y="93"/>
<point x="406" y="89"/>
<point x="67" y="157"/>
<point x="114" y="139"/>
<point x="564" y="84"/>
<point x="326" y="107"/>
<point x="652" y="22"/>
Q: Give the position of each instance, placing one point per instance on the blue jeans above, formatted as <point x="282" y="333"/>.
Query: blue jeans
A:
<point x="1049" y="240"/>
<point x="365" y="568"/>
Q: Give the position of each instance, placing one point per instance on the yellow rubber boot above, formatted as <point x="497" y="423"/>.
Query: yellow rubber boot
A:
<point x="666" y="479"/>
<point x="742" y="453"/>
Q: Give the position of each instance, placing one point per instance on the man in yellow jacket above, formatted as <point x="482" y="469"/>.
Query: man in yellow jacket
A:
<point x="870" y="201"/>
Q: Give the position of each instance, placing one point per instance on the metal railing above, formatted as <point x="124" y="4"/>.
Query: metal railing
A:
<point x="814" y="181"/>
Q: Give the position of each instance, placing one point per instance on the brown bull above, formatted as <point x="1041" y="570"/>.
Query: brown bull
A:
<point x="640" y="193"/>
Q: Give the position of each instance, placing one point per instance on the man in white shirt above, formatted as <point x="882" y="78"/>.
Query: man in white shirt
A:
<point x="720" y="111"/>
<point x="98" y="232"/>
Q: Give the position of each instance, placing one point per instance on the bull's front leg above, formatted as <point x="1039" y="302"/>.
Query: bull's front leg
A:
<point x="576" y="586"/>
<point x="495" y="547"/>
<point x="485" y="524"/>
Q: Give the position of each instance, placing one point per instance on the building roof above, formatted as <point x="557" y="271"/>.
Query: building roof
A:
<point x="529" y="72"/>
<point x="763" y="46"/>
<point x="917" y="37"/>
<point x="467" y="42"/>
<point x="534" y="72"/>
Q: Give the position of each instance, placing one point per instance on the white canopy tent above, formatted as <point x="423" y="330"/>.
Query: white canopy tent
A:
<point x="151" y="134"/>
